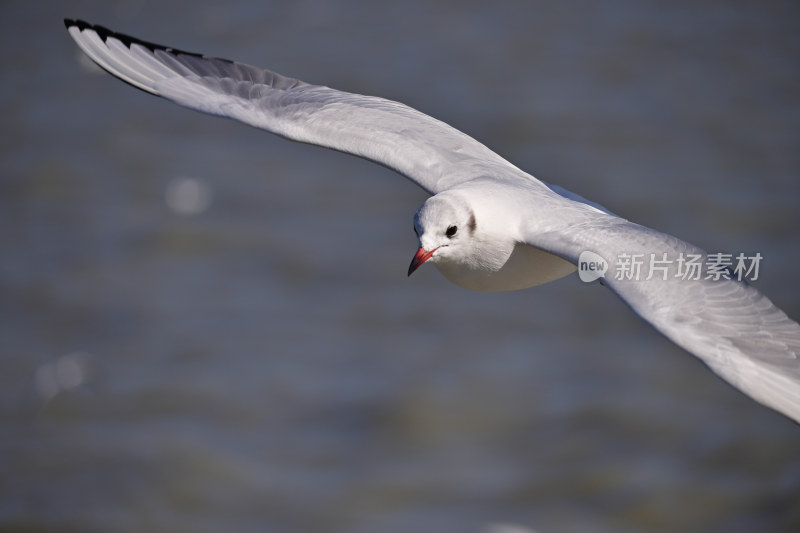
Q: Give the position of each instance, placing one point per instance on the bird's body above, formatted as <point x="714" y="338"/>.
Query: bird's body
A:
<point x="493" y="256"/>
<point x="488" y="226"/>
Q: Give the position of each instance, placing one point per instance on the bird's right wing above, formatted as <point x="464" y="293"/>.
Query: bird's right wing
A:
<point x="427" y="151"/>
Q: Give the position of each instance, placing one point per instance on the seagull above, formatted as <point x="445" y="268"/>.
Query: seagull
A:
<point x="487" y="225"/>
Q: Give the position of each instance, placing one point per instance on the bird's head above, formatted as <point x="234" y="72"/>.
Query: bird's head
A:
<point x="444" y="225"/>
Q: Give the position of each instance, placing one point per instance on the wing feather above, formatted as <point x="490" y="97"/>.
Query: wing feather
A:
<point x="429" y="152"/>
<point x="727" y="323"/>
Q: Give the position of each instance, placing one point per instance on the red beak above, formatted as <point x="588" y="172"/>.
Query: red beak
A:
<point x="420" y="257"/>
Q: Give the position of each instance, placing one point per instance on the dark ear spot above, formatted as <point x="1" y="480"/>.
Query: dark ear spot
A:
<point x="471" y="224"/>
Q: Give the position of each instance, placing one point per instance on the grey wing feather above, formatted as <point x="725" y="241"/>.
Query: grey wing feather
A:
<point x="427" y="151"/>
<point x="731" y="326"/>
<point x="736" y="330"/>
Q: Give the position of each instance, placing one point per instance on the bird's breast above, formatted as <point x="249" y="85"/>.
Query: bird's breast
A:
<point x="525" y="267"/>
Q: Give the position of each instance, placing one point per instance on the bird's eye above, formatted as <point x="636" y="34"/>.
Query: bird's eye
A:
<point x="451" y="231"/>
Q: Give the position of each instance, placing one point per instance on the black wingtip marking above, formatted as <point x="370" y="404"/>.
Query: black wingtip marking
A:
<point x="104" y="33"/>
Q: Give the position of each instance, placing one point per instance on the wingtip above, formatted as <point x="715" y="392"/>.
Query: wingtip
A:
<point x="103" y="32"/>
<point x="69" y="23"/>
<point x="127" y="40"/>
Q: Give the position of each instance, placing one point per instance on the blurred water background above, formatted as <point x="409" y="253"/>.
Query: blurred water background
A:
<point x="207" y="328"/>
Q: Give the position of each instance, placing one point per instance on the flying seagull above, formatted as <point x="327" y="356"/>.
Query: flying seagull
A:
<point x="489" y="226"/>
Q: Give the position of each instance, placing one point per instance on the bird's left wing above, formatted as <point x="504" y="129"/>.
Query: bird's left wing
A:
<point x="693" y="298"/>
<point x="431" y="153"/>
